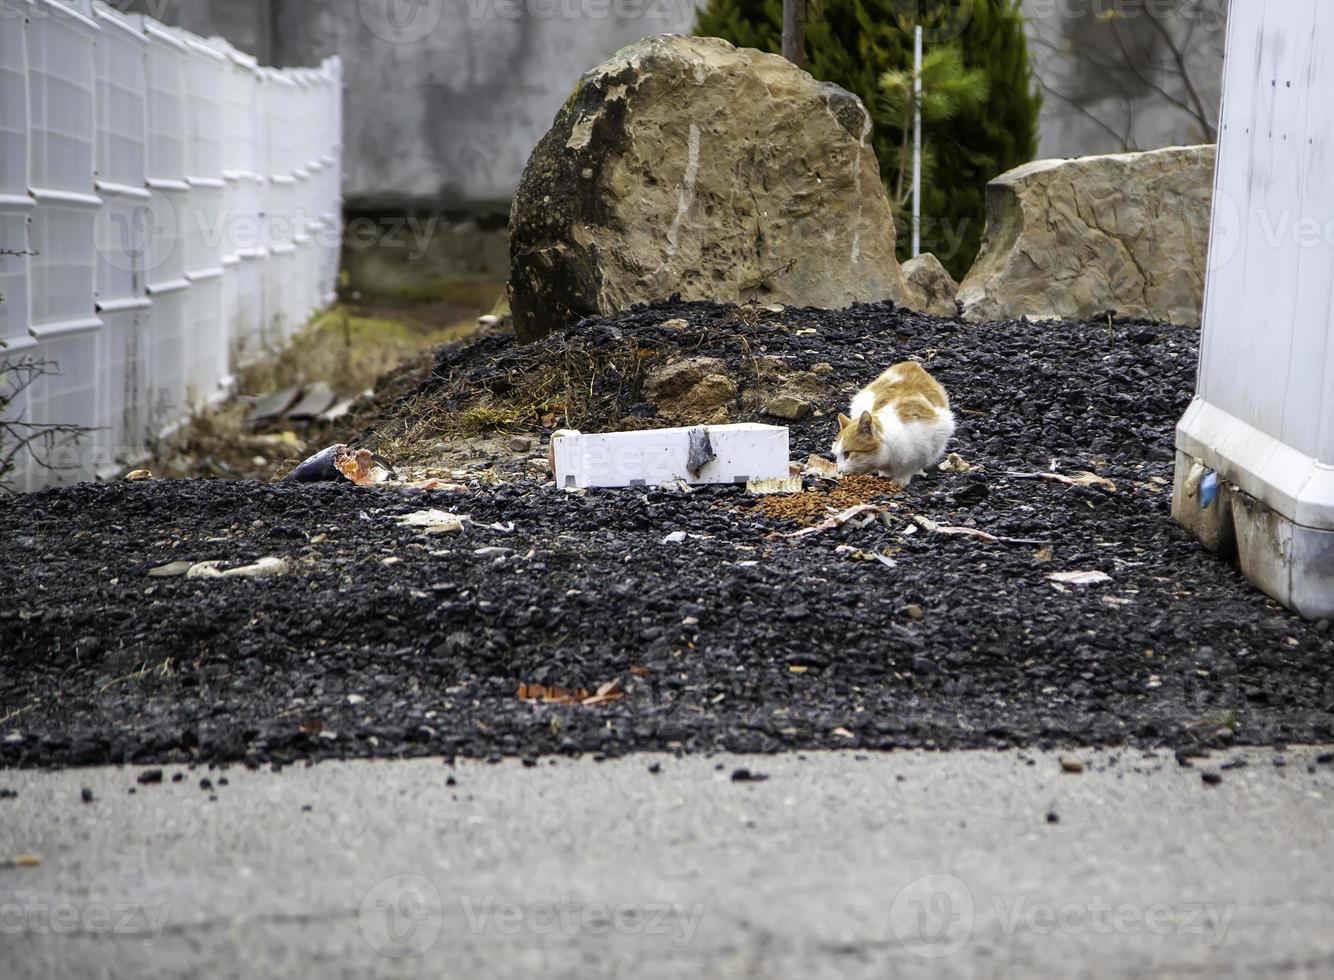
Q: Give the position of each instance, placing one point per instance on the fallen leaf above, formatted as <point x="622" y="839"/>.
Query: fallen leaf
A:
<point x="926" y="524"/>
<point x="797" y="668"/>
<point x="1080" y="578"/>
<point x="832" y="522"/>
<point x="1043" y="554"/>
<point x="610" y="691"/>
<point x="139" y="475"/>
<point x="361" y="467"/>
<point x="433" y="521"/>
<point x="174" y="569"/>
<point x="640" y="671"/>
<point x="819" y="466"/>
<point x="842" y="732"/>
<point x="764" y="488"/>
<point x="1081" y="479"/>
<point x="434" y="484"/>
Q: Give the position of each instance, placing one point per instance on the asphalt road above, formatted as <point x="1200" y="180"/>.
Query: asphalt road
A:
<point x="902" y="864"/>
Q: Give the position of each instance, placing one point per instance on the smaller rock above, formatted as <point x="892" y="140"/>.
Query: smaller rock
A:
<point x="1053" y="817"/>
<point x="788" y="407"/>
<point x="8" y="794"/>
<point x="86" y="795"/>
<point x="915" y="611"/>
<point x="1070" y="763"/>
<point x="433" y="521"/>
<point x="930" y="287"/>
<point x="954" y="463"/>
<point x="675" y="323"/>
<point x="1211" y="778"/>
<point x="150" y="776"/>
<point x="746" y="776"/>
<point x="824" y="367"/>
<point x="521" y="444"/>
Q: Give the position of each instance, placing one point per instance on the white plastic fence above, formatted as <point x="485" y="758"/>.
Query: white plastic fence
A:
<point x="173" y="210"/>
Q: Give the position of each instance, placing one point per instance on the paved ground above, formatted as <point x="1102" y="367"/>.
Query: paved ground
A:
<point x="836" y="865"/>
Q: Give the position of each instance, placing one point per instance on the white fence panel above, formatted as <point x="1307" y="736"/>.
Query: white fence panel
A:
<point x="122" y="235"/>
<point x="209" y="347"/>
<point x="167" y="204"/>
<point x="59" y="41"/>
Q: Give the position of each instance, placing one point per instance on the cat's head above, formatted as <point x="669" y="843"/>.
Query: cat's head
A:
<point x="859" y="446"/>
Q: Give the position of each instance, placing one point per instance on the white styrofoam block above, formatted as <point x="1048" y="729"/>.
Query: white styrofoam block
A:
<point x="742" y="451"/>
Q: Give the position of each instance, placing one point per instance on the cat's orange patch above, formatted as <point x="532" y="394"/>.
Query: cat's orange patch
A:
<point x="904" y="382"/>
<point x="859" y="435"/>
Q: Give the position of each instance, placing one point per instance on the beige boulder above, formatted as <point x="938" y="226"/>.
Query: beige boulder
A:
<point x="684" y="165"/>
<point x="1068" y="239"/>
<point x="931" y="289"/>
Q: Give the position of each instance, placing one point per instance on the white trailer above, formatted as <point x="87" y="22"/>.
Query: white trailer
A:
<point x="1255" y="450"/>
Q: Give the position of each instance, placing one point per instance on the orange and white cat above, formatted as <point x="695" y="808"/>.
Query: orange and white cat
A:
<point x="900" y="425"/>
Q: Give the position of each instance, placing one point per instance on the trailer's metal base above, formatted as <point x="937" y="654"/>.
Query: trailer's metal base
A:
<point x="1291" y="562"/>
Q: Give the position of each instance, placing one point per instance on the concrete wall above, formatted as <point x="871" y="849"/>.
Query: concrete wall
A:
<point x="446" y="98"/>
<point x="1110" y="74"/>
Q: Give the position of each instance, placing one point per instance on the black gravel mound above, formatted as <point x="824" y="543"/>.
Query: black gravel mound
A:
<point x="384" y="641"/>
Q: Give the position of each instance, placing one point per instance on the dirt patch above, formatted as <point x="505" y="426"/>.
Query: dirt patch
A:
<point x="384" y="640"/>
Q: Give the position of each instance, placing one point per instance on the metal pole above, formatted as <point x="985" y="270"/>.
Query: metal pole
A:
<point x="917" y="146"/>
<point x="794" y="32"/>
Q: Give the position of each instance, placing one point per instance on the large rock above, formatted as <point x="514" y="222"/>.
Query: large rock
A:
<point x="685" y="165"/>
<point x="1068" y="239"/>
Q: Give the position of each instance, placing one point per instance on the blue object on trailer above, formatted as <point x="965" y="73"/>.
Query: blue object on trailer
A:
<point x="1208" y="489"/>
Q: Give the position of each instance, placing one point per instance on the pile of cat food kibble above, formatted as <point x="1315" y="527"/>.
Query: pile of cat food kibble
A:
<point x="814" y="505"/>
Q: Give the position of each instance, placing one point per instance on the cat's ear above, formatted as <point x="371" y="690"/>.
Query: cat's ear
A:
<point x="843" y="421"/>
<point x="865" y="424"/>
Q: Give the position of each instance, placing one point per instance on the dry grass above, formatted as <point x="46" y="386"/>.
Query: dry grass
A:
<point x="348" y="350"/>
<point x="347" y="347"/>
<point x="548" y="385"/>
